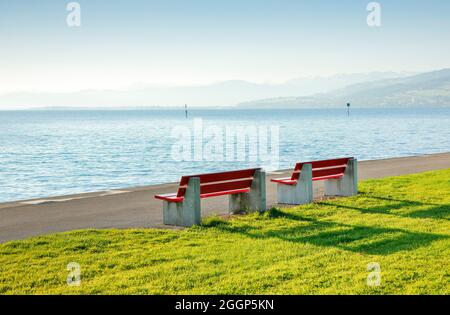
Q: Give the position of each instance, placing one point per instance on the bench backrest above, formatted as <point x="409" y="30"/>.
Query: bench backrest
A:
<point x="323" y="168"/>
<point x="219" y="182"/>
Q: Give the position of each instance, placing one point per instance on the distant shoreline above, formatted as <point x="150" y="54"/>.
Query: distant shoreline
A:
<point x="196" y="108"/>
<point x="428" y="89"/>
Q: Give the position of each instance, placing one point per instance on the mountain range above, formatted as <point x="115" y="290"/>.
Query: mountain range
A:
<point x="431" y="89"/>
<point x="227" y="93"/>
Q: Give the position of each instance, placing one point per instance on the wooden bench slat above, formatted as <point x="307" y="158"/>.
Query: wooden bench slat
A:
<point x="227" y="192"/>
<point x="327" y="172"/>
<point x="170" y="197"/>
<point x="213" y="187"/>
<point x="293" y="182"/>
<point x="174" y="198"/>
<point x="216" y="187"/>
<point x="336" y="176"/>
<point x="219" y="177"/>
<point x="285" y="181"/>
<point x="323" y="163"/>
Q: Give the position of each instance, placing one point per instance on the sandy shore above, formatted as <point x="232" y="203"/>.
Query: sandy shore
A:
<point x="136" y="207"/>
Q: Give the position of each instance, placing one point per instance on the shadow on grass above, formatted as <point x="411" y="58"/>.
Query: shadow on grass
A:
<point x="436" y="212"/>
<point x="360" y="239"/>
<point x="433" y="211"/>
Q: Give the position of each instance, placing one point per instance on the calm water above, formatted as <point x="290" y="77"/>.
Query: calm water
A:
<point x="48" y="153"/>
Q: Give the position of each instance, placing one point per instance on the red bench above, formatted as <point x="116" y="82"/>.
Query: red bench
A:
<point x="246" y="189"/>
<point x="340" y="176"/>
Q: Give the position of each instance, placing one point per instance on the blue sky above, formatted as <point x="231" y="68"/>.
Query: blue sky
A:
<point x="173" y="42"/>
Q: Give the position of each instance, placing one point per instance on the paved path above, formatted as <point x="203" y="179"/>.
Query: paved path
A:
<point x="136" y="207"/>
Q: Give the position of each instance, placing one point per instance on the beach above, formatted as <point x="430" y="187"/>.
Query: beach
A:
<point x="137" y="207"/>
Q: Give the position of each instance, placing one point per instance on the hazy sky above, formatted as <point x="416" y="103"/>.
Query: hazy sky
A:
<point x="124" y="42"/>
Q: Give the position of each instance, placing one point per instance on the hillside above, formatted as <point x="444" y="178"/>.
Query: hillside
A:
<point x="226" y="93"/>
<point x="424" y="90"/>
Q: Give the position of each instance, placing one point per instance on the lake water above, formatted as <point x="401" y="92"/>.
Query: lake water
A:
<point x="49" y="153"/>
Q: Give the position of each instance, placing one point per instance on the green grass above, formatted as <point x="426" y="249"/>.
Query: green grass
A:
<point x="402" y="223"/>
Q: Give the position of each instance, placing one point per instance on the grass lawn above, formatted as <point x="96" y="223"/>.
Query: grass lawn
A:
<point x="401" y="223"/>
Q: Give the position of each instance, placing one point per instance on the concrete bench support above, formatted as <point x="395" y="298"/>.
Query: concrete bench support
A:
<point x="300" y="193"/>
<point x="346" y="186"/>
<point x="187" y="212"/>
<point x="253" y="201"/>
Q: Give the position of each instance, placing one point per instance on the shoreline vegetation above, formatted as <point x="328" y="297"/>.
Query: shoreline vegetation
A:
<point x="400" y="223"/>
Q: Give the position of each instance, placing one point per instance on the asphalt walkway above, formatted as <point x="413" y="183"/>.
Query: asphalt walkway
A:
<point x="136" y="207"/>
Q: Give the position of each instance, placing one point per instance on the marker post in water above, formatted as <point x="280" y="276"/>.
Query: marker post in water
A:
<point x="185" y="110"/>
<point x="348" y="109"/>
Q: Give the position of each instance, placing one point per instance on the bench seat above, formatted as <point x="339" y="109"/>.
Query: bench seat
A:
<point x="172" y="197"/>
<point x="292" y="182"/>
<point x="284" y="181"/>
